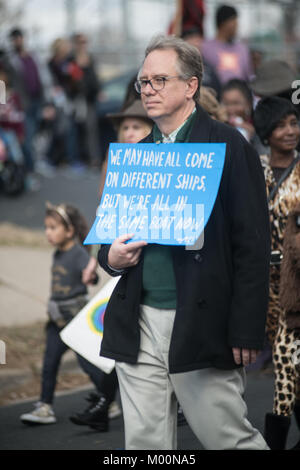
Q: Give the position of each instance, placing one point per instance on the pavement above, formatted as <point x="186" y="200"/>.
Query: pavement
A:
<point x="25" y="283"/>
<point x="66" y="185"/>
<point x="64" y="435"/>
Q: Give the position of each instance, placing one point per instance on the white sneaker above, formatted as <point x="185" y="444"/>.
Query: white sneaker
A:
<point x="114" y="411"/>
<point x="42" y="414"/>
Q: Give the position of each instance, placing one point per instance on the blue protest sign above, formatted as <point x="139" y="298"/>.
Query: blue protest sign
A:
<point x="163" y="193"/>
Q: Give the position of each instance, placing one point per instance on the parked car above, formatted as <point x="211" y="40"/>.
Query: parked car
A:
<point x="113" y="93"/>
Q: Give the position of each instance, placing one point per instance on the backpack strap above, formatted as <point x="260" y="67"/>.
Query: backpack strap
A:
<point x="283" y="177"/>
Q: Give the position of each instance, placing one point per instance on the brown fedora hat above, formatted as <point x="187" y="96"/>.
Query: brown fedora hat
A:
<point x="273" y="77"/>
<point x="134" y="110"/>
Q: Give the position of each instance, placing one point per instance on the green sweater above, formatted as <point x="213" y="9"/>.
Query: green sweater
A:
<point x="159" y="286"/>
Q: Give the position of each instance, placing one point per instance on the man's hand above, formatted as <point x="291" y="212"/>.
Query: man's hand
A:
<point x="124" y="255"/>
<point x="244" y="356"/>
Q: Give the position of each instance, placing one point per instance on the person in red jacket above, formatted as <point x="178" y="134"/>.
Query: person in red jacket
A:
<point x="11" y="113"/>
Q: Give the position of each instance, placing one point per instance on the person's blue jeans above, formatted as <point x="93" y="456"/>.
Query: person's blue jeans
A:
<point x="32" y="116"/>
<point x="72" y="142"/>
<point x="55" y="348"/>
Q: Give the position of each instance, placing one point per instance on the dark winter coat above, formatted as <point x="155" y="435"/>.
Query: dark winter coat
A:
<point x="289" y="292"/>
<point x="222" y="289"/>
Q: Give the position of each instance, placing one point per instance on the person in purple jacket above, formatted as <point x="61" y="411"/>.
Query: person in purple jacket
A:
<point x="28" y="83"/>
<point x="230" y="58"/>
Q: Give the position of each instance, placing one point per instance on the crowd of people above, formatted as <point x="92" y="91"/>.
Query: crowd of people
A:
<point x="60" y="98"/>
<point x="159" y="361"/>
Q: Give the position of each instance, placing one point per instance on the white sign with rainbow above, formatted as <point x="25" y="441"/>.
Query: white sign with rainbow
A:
<point x="84" y="333"/>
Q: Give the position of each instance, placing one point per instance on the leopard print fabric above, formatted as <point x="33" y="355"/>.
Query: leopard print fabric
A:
<point x="287" y="371"/>
<point x="287" y="385"/>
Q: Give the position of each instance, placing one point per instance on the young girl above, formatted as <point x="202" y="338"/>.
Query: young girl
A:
<point x="72" y="270"/>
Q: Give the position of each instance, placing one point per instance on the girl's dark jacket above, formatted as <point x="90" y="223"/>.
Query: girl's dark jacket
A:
<point x="222" y="289"/>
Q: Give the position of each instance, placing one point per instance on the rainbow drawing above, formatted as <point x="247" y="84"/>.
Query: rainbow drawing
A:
<point x="95" y="315"/>
<point x="84" y="333"/>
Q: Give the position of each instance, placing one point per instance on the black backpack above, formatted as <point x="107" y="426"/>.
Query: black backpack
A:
<point x="12" y="178"/>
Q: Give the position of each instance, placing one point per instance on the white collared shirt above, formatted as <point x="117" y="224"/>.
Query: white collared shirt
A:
<point x="170" y="139"/>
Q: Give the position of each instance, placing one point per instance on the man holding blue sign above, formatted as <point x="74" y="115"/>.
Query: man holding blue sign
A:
<point x="183" y="321"/>
<point x="158" y="194"/>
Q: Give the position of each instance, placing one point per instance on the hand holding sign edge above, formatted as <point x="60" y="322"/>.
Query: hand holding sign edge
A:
<point x="123" y="255"/>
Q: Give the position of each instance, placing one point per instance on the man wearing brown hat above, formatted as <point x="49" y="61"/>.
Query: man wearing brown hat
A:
<point x="181" y="323"/>
<point x="132" y="125"/>
<point x="269" y="83"/>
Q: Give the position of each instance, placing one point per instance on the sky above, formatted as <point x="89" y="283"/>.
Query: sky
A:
<point x="146" y="17"/>
<point x="48" y="17"/>
<point x="45" y="20"/>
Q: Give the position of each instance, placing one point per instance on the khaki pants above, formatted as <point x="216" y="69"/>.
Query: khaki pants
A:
<point x="211" y="399"/>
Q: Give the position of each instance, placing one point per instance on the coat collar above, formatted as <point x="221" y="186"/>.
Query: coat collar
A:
<point x="201" y="131"/>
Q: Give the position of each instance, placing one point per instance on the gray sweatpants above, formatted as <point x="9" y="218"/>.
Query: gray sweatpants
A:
<point x="211" y="399"/>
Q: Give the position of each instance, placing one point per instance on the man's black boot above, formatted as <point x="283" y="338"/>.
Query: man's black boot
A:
<point x="297" y="416"/>
<point x="82" y="419"/>
<point x="276" y="430"/>
<point x="181" y="420"/>
<point x="99" y="415"/>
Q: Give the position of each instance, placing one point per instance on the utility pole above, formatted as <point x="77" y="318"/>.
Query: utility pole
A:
<point x="125" y="19"/>
<point x="127" y="44"/>
<point x="70" y="6"/>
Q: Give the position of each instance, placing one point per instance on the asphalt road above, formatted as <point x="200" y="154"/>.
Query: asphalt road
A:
<point x="28" y="209"/>
<point x="64" y="435"/>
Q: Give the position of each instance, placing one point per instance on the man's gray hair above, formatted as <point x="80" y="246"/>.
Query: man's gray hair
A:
<point x="189" y="58"/>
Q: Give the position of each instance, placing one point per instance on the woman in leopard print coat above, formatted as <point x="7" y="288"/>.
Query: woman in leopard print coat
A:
<point x="276" y="123"/>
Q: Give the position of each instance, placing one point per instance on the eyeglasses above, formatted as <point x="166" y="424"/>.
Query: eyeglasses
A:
<point x="157" y="83"/>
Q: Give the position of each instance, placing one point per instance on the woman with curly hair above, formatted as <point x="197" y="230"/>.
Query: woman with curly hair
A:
<point x="276" y="123"/>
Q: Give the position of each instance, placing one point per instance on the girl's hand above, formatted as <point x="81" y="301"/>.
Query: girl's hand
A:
<point x="89" y="274"/>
